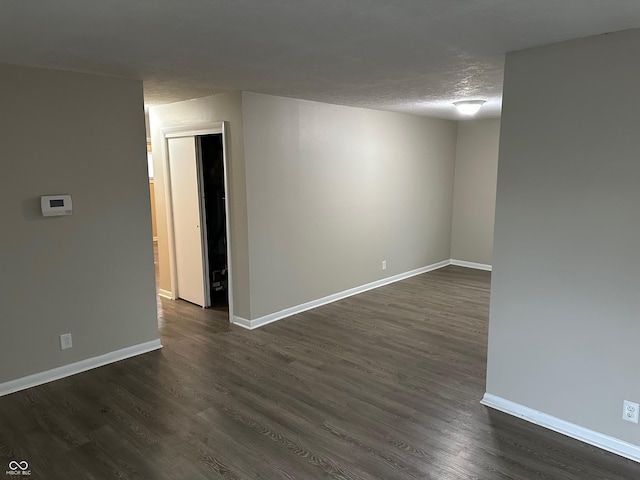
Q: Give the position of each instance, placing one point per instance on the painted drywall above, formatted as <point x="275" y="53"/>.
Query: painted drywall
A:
<point x="565" y="316"/>
<point x="147" y="127"/>
<point x="474" y="197"/>
<point x="224" y="107"/>
<point x="89" y="274"/>
<point x="333" y="191"/>
<point x="152" y="199"/>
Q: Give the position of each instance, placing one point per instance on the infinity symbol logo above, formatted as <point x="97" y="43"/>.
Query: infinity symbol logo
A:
<point x="13" y="465"/>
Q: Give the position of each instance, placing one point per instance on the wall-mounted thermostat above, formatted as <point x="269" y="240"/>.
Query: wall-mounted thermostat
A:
<point x="54" y="205"/>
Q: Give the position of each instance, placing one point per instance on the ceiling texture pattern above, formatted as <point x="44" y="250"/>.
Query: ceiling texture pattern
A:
<point x="413" y="56"/>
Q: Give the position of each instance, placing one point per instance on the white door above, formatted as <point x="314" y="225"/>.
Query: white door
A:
<point x="185" y="202"/>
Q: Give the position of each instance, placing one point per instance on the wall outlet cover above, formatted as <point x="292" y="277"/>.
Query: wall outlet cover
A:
<point x="66" y="341"/>
<point x="630" y="411"/>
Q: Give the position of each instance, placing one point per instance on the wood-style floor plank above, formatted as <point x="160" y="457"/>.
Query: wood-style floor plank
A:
<point x="383" y="385"/>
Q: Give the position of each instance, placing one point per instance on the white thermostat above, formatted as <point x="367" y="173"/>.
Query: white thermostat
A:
<point x="55" y="205"/>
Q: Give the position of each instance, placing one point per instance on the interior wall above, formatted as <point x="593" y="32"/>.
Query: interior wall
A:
<point x="224" y="107"/>
<point x="474" y="197"/>
<point x="564" y="323"/>
<point x="152" y="199"/>
<point x="89" y="274"/>
<point x="333" y="191"/>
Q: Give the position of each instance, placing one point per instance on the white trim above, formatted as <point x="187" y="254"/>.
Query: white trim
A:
<point x="169" y="213"/>
<point x="477" y="266"/>
<point x="227" y="213"/>
<point x="287" y="312"/>
<point x="193" y="131"/>
<point x="242" y="322"/>
<point x="165" y="294"/>
<point x="73" y="368"/>
<point x="600" y="440"/>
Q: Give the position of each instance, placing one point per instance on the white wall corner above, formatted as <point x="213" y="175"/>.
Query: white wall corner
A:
<point x="600" y="440"/>
<point x="47" y="376"/>
<point x="477" y="266"/>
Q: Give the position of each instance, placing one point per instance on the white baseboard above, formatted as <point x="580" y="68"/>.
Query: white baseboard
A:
<point x="477" y="266"/>
<point x="242" y="322"/>
<point x="600" y="440"/>
<point x="82" y="366"/>
<point x="165" y="294"/>
<point x="287" y="312"/>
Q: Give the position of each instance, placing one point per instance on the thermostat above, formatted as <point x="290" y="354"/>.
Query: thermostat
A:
<point x="54" y="205"/>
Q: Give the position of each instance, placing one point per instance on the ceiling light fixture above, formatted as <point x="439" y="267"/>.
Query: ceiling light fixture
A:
<point x="469" y="107"/>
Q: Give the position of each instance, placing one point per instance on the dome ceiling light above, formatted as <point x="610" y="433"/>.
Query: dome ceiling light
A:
<point x="469" y="107"/>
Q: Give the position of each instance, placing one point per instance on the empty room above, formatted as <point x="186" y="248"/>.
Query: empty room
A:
<point x="391" y="241"/>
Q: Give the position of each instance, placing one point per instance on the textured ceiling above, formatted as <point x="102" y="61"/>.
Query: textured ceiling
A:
<point x="414" y="56"/>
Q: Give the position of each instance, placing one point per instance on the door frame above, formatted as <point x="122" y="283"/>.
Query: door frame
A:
<point x="196" y="130"/>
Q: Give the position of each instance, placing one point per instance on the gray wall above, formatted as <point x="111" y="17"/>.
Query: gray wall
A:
<point x="564" y="324"/>
<point x="332" y="191"/>
<point x="474" y="196"/>
<point x="224" y="107"/>
<point x="90" y="274"/>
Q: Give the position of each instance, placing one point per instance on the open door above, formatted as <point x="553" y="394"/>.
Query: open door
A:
<point x="188" y="234"/>
<point x="197" y="186"/>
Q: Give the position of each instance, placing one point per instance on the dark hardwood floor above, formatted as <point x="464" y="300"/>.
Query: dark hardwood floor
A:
<point x="383" y="385"/>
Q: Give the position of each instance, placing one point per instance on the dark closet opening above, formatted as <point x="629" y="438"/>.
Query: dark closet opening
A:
<point x="211" y="154"/>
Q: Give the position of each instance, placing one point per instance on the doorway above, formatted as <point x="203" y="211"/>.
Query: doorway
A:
<point x="210" y="149"/>
<point x="198" y="216"/>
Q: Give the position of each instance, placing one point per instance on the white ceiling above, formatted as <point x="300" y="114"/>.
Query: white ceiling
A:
<point x="414" y="56"/>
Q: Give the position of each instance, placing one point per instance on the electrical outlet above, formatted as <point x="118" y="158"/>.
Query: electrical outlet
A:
<point x="630" y="411"/>
<point x="65" y="341"/>
<point x="384" y="264"/>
